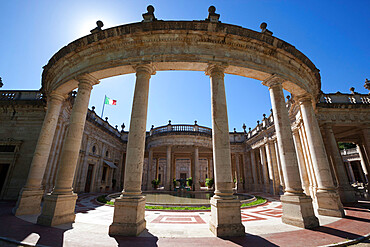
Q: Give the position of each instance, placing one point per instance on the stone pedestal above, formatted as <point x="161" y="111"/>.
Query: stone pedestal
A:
<point x="28" y="202"/>
<point x="329" y="203"/>
<point x="226" y="218"/>
<point x="129" y="216"/>
<point x="298" y="211"/>
<point x="58" y="209"/>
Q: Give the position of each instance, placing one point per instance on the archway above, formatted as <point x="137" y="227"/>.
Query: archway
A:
<point x="149" y="46"/>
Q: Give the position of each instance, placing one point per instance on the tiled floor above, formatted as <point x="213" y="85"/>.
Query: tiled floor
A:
<point x="263" y="228"/>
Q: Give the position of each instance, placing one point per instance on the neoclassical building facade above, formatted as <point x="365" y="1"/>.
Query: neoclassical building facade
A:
<point x="54" y="146"/>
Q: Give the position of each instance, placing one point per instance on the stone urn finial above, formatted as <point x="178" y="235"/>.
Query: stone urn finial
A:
<point x="244" y="127"/>
<point x="123" y="126"/>
<point x="169" y="122"/>
<point x="149" y="16"/>
<point x="234" y="130"/>
<point x="264" y="29"/>
<point x="116" y="126"/>
<point x="99" y="25"/>
<point x="1" y="83"/>
<point x="212" y="16"/>
<point x="264" y="116"/>
<point x="93" y="108"/>
<point x="106" y="119"/>
<point x="367" y="84"/>
<point x="352" y="89"/>
<point x="195" y="122"/>
<point x="152" y="127"/>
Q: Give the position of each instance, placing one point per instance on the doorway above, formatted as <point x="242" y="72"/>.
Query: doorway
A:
<point x="3" y="172"/>
<point x="89" y="178"/>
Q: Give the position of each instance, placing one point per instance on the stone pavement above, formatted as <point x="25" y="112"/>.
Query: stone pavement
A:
<point x="263" y="227"/>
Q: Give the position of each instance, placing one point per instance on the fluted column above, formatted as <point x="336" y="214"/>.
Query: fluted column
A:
<point x="270" y="167"/>
<point x="129" y="209"/>
<point x="29" y="200"/>
<point x="364" y="163"/>
<point x="346" y="192"/>
<point x="301" y="162"/>
<point x="225" y="209"/>
<point x="168" y="184"/>
<point x="297" y="207"/>
<point x="264" y="169"/>
<point x="59" y="206"/>
<point x="328" y="200"/>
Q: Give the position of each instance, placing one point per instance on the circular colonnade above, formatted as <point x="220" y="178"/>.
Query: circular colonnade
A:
<point x="155" y="45"/>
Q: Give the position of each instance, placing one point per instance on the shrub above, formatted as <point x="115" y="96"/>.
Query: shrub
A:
<point x="189" y="181"/>
<point x="209" y="182"/>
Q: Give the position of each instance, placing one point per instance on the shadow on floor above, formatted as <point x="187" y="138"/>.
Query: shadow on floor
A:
<point x="20" y="230"/>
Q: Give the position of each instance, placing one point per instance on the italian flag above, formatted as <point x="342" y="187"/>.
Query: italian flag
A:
<point x="109" y="101"/>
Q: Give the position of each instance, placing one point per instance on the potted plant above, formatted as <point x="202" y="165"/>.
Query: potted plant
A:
<point x="189" y="182"/>
<point x="209" y="182"/>
<point x="174" y="183"/>
<point x="155" y="183"/>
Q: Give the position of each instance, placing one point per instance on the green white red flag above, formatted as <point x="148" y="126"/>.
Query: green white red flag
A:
<point x="109" y="101"/>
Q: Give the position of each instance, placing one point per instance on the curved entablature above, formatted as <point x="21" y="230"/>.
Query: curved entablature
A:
<point x="181" y="45"/>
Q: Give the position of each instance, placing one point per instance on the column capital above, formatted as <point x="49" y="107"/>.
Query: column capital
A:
<point x="86" y="79"/>
<point x="216" y="68"/>
<point x="272" y="81"/>
<point x="145" y="67"/>
<point x="304" y="99"/>
<point x="56" y="96"/>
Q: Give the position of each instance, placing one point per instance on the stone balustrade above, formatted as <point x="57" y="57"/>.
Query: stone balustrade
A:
<point x="339" y="98"/>
<point x="20" y="95"/>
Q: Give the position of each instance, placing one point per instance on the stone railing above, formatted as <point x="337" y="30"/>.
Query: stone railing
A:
<point x="348" y="151"/>
<point x="20" y="95"/>
<point x="261" y="125"/>
<point x="180" y="128"/>
<point x="105" y="126"/>
<point x="339" y="98"/>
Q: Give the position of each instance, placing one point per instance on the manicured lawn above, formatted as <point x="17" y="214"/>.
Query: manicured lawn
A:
<point x="260" y="200"/>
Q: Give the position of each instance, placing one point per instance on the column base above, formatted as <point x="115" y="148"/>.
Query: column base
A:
<point x="29" y="202"/>
<point x="226" y="218"/>
<point x="298" y="211"/>
<point x="57" y="210"/>
<point x="129" y="216"/>
<point x="347" y="194"/>
<point x="328" y="203"/>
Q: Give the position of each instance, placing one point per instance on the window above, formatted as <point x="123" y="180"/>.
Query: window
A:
<point x="7" y="148"/>
<point x="106" y="154"/>
<point x="94" y="149"/>
<point x="104" y="173"/>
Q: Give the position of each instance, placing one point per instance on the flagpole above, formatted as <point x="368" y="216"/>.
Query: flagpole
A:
<point x="105" y="96"/>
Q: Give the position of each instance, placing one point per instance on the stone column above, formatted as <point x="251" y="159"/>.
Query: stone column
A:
<point x="327" y="197"/>
<point x="350" y="172"/>
<point x="280" y="171"/>
<point x="346" y="192"/>
<point x="59" y="206"/>
<point x="247" y="172"/>
<point x="209" y="171"/>
<point x="196" y="178"/>
<point x="264" y="169"/>
<point x="301" y="162"/>
<point x="274" y="168"/>
<point x="254" y="170"/>
<point x="239" y="183"/>
<point x="129" y="208"/>
<point x="29" y="200"/>
<point x="270" y="167"/>
<point x="363" y="161"/>
<point x="157" y="168"/>
<point x="150" y="176"/>
<point x="297" y="207"/>
<point x="168" y="184"/>
<point x="225" y="208"/>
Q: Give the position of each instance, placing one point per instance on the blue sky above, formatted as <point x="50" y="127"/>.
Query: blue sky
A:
<point x="335" y="35"/>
